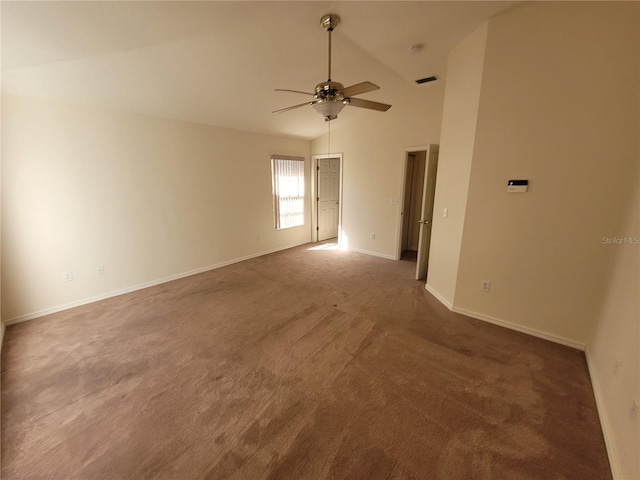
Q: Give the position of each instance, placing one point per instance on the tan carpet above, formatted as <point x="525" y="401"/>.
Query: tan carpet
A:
<point x="303" y="364"/>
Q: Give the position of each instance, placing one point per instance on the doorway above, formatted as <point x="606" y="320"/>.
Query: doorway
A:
<point x="327" y="196"/>
<point x="421" y="164"/>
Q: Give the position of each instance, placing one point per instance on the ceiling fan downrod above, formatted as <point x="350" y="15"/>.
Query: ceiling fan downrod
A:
<point x="329" y="22"/>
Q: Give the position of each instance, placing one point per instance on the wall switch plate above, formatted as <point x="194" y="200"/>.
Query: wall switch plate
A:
<point x="485" y="286"/>
<point x="372" y="236"/>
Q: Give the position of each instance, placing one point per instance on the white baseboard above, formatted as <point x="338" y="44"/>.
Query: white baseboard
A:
<point x="440" y="298"/>
<point x="604" y="419"/>
<point x="505" y="323"/>
<point x="373" y="254"/>
<point x="520" y="328"/>
<point x="85" y="301"/>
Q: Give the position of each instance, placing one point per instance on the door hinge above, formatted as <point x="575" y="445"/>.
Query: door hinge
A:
<point x="317" y="167"/>
<point x="318" y="228"/>
<point x="317" y="199"/>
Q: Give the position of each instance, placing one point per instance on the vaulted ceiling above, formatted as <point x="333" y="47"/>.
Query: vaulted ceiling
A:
<point x="218" y="63"/>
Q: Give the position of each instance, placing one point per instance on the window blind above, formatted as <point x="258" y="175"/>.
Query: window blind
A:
<point x="287" y="175"/>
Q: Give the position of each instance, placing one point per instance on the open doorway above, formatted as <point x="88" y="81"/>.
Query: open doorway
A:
<point x="412" y="203"/>
<point x="416" y="214"/>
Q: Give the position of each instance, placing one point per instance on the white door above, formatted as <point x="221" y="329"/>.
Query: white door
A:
<point x="328" y="199"/>
<point x="426" y="213"/>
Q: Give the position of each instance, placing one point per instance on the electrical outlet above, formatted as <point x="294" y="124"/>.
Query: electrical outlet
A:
<point x="485" y="286"/>
<point x="372" y="236"/>
<point x="67" y="276"/>
<point x="100" y="270"/>
<point x="445" y="212"/>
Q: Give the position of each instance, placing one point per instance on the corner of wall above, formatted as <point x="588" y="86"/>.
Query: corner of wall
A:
<point x="459" y="118"/>
<point x="439" y="296"/>
<point x="605" y="424"/>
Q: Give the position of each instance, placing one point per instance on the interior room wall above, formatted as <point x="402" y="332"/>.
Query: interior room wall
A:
<point x="462" y="96"/>
<point x="373" y="163"/>
<point x="147" y="198"/>
<point x="2" y="324"/>
<point x="546" y="115"/>
<point x="614" y="350"/>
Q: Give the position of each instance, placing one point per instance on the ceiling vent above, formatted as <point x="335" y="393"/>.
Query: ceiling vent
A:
<point x="420" y="81"/>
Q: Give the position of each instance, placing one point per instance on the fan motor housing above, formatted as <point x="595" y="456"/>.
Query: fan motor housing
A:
<point x="328" y="90"/>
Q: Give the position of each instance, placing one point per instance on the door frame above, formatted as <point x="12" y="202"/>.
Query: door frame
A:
<point x="314" y="195"/>
<point x="405" y="153"/>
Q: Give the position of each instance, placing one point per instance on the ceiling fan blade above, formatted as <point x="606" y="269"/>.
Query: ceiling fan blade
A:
<point x="359" y="88"/>
<point x="358" y="102"/>
<point x="294" y="91"/>
<point x="292" y="107"/>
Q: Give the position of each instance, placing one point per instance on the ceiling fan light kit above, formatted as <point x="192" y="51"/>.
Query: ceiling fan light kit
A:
<point x="331" y="97"/>
<point x="329" y="109"/>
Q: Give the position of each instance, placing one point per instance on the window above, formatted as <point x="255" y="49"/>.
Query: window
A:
<point x="287" y="175"/>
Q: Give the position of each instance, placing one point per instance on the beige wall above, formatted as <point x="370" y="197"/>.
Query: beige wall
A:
<point x="559" y="105"/>
<point x="464" y="78"/>
<point x="144" y="197"/>
<point x="614" y="351"/>
<point x="2" y="324"/>
<point x="547" y="114"/>
<point x="373" y="163"/>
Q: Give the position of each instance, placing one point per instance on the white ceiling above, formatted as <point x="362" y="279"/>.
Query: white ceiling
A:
<point x="218" y="63"/>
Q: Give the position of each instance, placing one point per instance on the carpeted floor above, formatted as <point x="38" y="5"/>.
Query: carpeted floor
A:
<point x="303" y="364"/>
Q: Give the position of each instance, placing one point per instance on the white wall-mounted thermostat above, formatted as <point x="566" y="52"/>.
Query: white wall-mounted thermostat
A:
<point x="517" y="186"/>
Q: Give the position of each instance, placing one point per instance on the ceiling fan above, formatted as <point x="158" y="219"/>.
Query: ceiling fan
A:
<point x="331" y="97"/>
